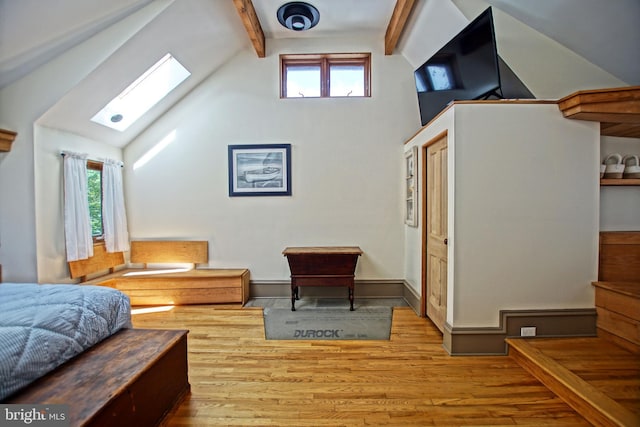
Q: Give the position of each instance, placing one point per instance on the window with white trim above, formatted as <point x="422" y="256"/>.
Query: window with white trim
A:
<point x="94" y="193"/>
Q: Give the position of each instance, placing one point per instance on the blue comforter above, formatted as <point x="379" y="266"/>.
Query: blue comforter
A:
<point x="43" y="326"/>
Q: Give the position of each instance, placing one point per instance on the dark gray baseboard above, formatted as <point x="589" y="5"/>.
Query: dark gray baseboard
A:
<point x="457" y="341"/>
<point x="548" y="323"/>
<point x="363" y="289"/>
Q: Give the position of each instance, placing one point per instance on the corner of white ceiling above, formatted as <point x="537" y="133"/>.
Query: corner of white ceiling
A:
<point x="83" y="58"/>
<point x="14" y="67"/>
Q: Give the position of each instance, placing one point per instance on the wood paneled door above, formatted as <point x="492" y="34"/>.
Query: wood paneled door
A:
<point x="434" y="266"/>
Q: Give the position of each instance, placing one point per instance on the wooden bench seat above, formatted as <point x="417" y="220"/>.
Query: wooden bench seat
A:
<point x="165" y="286"/>
<point x="195" y="286"/>
<point x="135" y="377"/>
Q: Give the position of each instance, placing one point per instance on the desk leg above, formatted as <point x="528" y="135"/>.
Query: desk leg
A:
<point x="294" y="295"/>
<point x="351" y="297"/>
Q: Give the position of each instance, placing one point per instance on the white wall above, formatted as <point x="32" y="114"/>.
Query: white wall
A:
<point x="52" y="265"/>
<point x="523" y="211"/>
<point x="21" y="104"/>
<point x="431" y="25"/>
<point x="554" y="71"/>
<point x="345" y="165"/>
<point x="619" y="206"/>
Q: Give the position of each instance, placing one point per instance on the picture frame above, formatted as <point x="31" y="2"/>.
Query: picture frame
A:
<point x="411" y="187"/>
<point x="260" y="170"/>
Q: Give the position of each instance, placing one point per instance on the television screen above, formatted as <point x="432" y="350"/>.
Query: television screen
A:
<point x="466" y="68"/>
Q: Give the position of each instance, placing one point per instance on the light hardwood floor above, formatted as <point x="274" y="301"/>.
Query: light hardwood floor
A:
<point x="239" y="378"/>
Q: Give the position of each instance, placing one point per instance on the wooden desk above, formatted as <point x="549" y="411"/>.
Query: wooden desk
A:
<point x="322" y="266"/>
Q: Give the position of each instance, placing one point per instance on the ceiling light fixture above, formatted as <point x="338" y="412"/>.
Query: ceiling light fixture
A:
<point x="298" y="16"/>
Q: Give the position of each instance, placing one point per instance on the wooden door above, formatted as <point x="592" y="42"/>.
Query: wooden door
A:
<point x="435" y="231"/>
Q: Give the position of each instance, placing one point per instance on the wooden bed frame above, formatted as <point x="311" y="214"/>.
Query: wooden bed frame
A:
<point x="134" y="377"/>
<point x="153" y="286"/>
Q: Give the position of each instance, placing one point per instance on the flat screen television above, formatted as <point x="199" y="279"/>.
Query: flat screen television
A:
<point x="466" y="68"/>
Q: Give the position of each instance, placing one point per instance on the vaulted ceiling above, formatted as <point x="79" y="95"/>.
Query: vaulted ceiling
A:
<point x="204" y="34"/>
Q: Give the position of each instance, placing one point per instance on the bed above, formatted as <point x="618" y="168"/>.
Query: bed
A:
<point x="43" y="326"/>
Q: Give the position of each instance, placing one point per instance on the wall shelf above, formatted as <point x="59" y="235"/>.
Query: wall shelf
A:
<point x="617" y="109"/>
<point x="621" y="182"/>
<point x="6" y="139"/>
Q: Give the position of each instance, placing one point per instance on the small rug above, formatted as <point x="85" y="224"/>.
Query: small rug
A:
<point x="365" y="323"/>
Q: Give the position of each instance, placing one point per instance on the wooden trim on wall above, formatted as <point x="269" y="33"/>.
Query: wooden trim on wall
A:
<point x="169" y="251"/>
<point x="617" y="109"/>
<point x="6" y="139"/>
<point x="548" y="323"/>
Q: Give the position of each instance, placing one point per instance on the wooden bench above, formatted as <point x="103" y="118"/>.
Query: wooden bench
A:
<point x="164" y="286"/>
<point x="135" y="377"/>
<point x="618" y="289"/>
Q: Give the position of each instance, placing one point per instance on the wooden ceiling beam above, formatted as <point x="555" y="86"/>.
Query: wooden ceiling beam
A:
<point x="401" y="13"/>
<point x="250" y="20"/>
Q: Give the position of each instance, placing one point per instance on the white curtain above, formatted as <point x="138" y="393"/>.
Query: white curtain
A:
<point x="114" y="218"/>
<point x="77" y="223"/>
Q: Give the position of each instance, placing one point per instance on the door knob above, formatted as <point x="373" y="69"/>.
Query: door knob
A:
<point x="446" y="241"/>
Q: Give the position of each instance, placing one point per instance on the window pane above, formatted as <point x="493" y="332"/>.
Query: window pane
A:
<point x="441" y="77"/>
<point x="346" y="80"/>
<point x="303" y="81"/>
<point x="94" y="188"/>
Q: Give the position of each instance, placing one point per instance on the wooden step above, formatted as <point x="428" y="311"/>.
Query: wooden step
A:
<point x="618" y="306"/>
<point x="596" y="378"/>
<point x="134" y="377"/>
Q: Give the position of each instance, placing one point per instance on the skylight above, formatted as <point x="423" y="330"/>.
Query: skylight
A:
<point x="142" y="94"/>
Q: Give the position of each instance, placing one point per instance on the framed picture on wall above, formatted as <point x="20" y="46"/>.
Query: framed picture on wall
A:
<point x="260" y="170"/>
<point x="411" y="187"/>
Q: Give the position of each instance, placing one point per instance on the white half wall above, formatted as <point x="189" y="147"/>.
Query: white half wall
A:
<point x="523" y="210"/>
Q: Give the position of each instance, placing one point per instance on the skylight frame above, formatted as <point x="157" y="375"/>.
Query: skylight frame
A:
<point x="141" y="95"/>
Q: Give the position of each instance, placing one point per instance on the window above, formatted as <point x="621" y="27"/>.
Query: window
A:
<point x="440" y="73"/>
<point x="323" y="76"/>
<point x="94" y="190"/>
<point x="145" y="92"/>
<point x="441" y="77"/>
